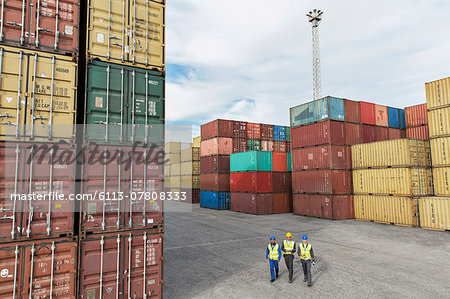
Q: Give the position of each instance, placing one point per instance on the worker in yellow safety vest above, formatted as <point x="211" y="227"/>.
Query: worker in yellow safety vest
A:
<point x="288" y="248"/>
<point x="306" y="253"/>
<point x="273" y="255"/>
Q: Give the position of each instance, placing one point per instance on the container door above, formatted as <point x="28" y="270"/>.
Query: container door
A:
<point x="11" y="267"/>
<point x="13" y="20"/>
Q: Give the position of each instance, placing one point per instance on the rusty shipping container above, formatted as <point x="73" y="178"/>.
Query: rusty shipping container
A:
<point x="44" y="25"/>
<point x="253" y="131"/>
<point x="322" y="181"/>
<point x="368" y="133"/>
<point x="416" y="116"/>
<point x="215" y="164"/>
<point x="239" y="145"/>
<point x="218" y="182"/>
<point x="335" y="207"/>
<point x="257" y="182"/>
<point x="282" y="203"/>
<point x="327" y="132"/>
<point x="322" y="157"/>
<point x="217" y="128"/>
<point x="240" y="129"/>
<point x="216" y="146"/>
<point x="281" y="182"/>
<point x="122" y="265"/>
<point x="422" y="132"/>
<point x="279" y="146"/>
<point x="252" y="203"/>
<point x="39" y="269"/>
<point x="353" y="134"/>
<point x="381" y="133"/>
<point x="266" y="132"/>
<point x="352" y="111"/>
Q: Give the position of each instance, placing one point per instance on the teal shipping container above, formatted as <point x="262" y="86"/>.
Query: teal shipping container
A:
<point x="253" y="145"/>
<point x="251" y="161"/>
<point x="323" y="109"/>
<point x="288" y="134"/>
<point x="289" y="161"/>
<point x="303" y="114"/>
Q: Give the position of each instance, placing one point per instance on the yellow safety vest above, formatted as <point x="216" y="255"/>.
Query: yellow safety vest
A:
<point x="273" y="253"/>
<point x="288" y="247"/>
<point x="305" y="252"/>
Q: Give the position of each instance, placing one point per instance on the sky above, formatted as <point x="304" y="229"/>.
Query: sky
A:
<point x="251" y="60"/>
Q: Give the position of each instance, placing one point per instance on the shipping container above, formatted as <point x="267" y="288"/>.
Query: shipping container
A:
<point x="122" y="265"/>
<point x="215" y="182"/>
<point x="387" y="209"/>
<point x="282" y="203"/>
<point x="441" y="180"/>
<point x="353" y="133"/>
<point x="288" y="147"/>
<point x="303" y="114"/>
<point x="281" y="182"/>
<point x="196" y="182"/>
<point x="215" y="200"/>
<point x="381" y="116"/>
<point x="39" y="269"/>
<point x="175" y="169"/>
<point x="381" y="133"/>
<point x="368" y="115"/>
<point x="127" y="32"/>
<point x="190" y="154"/>
<point x="328" y="132"/>
<point x="394" y="117"/>
<point x="252" y="203"/>
<point x="422" y="132"/>
<point x="267" y="145"/>
<point x="46" y="25"/>
<point x="251" y="161"/>
<point x="117" y="96"/>
<point x="416" y="116"/>
<point x="393" y="181"/>
<point x="217" y="128"/>
<point x="172" y="147"/>
<point x="190" y="168"/>
<point x="322" y="181"/>
<point x="253" y="145"/>
<point x="196" y="141"/>
<point x="279" y="133"/>
<point x="288" y="134"/>
<point x="215" y="164"/>
<point x="239" y="129"/>
<point x="440" y="151"/>
<point x="289" y="157"/>
<point x="368" y="134"/>
<point x="438" y="93"/>
<point x="439" y="122"/>
<point x="253" y="131"/>
<point x="402" y="119"/>
<point x="397" y="134"/>
<point x="266" y="132"/>
<point x="434" y="213"/>
<point x="322" y="157"/>
<point x="216" y="146"/>
<point x="334" y="207"/>
<point x="323" y="109"/>
<point x="239" y="145"/>
<point x="257" y="182"/>
<point x="391" y="153"/>
<point x="279" y="161"/>
<point x="279" y="146"/>
<point x="38" y="96"/>
<point x="352" y="111"/>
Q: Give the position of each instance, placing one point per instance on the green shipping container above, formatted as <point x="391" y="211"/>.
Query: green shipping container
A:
<point x="289" y="161"/>
<point x="253" y="145"/>
<point x="123" y="104"/>
<point x="288" y="134"/>
<point x="251" y="161"/>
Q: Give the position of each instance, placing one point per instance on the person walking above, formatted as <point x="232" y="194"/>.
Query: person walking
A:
<point x="288" y="248"/>
<point x="306" y="253"/>
<point x="273" y="254"/>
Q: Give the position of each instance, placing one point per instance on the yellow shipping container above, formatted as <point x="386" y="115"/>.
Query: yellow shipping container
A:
<point x="172" y="182"/>
<point x="398" y="152"/>
<point x="440" y="151"/>
<point x="190" y="168"/>
<point x="190" y="154"/>
<point x="37" y="96"/>
<point x="186" y="182"/>
<point x="386" y="209"/>
<point x="196" y="181"/>
<point x="172" y="148"/>
<point x="438" y="93"/>
<point x="196" y="141"/>
<point x="434" y="212"/>
<point x="439" y="122"/>
<point x="127" y="32"/>
<point x="394" y="181"/>
<point x="441" y="180"/>
<point x="175" y="169"/>
<point x="172" y="158"/>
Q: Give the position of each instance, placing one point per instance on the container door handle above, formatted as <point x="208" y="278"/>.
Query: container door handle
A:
<point x="108" y="55"/>
<point x="145" y="188"/>
<point x="121" y="105"/>
<point x="56" y="25"/>
<point x="16" y="255"/>
<point x="50" y="192"/>
<point x="146" y="38"/>
<point x="108" y="71"/>
<point x="51" y="271"/>
<point x="31" y="271"/>
<point x="1" y="22"/>
<point x="119" y="188"/>
<point x="146" y="109"/>
<point x="30" y="189"/>
<point x="129" y="266"/>
<point x="18" y="93"/>
<point x="132" y="112"/>
<point x="50" y="122"/>
<point x="34" y="96"/>
<point x="118" y="267"/>
<point x="105" y="154"/>
<point x="145" y="266"/>
<point x="123" y="33"/>
<point x="102" y="242"/>
<point x="38" y="13"/>
<point x="131" y="197"/>
<point x="134" y="32"/>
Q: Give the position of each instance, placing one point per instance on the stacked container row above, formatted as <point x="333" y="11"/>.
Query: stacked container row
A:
<point x="417" y="122"/>
<point x="190" y="173"/>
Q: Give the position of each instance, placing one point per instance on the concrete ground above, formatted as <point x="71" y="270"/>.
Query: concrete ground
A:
<point x="221" y="254"/>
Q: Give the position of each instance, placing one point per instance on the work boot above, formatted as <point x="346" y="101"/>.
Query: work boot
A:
<point x="276" y="276"/>
<point x="305" y="279"/>
<point x="290" y="280"/>
<point x="309" y="284"/>
<point x="272" y="280"/>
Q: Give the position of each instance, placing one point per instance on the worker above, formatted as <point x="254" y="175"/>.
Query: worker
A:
<point x="273" y="254"/>
<point x="288" y="248"/>
<point x="306" y="253"/>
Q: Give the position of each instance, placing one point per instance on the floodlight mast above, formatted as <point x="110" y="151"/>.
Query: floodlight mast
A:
<point x="315" y="17"/>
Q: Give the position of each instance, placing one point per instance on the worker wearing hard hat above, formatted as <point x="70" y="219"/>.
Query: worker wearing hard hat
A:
<point x="306" y="253"/>
<point x="273" y="254"/>
<point x="288" y="248"/>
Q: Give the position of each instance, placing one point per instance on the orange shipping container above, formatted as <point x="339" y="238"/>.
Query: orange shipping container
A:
<point x="279" y="161"/>
<point x="216" y="146"/>
<point x="381" y="116"/>
<point x="422" y="132"/>
<point x="416" y="115"/>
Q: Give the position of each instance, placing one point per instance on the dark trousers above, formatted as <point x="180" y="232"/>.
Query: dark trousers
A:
<point x="289" y="260"/>
<point x="306" y="265"/>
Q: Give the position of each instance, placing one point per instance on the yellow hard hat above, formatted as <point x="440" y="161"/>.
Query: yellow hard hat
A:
<point x="288" y="235"/>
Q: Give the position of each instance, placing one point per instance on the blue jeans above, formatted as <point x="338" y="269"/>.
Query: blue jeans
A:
<point x="273" y="268"/>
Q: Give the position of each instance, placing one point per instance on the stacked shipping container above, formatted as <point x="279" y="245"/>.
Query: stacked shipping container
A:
<point x="417" y="122"/>
<point x="172" y="167"/>
<point x="190" y="173"/>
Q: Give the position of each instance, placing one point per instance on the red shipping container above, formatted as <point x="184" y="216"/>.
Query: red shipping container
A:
<point x="381" y="116"/>
<point x="421" y="132"/>
<point x="335" y="207"/>
<point x="368" y="133"/>
<point x="368" y="113"/>
<point x="252" y="203"/>
<point x="327" y="132"/>
<point x="353" y="134"/>
<point x="266" y="132"/>
<point x="258" y="182"/>
<point x="121" y="265"/>
<point x="253" y="131"/>
<point x="381" y="133"/>
<point x="215" y="164"/>
<point x="219" y="182"/>
<point x="279" y="161"/>
<point x="322" y="157"/>
<point x="239" y="145"/>
<point x="282" y="203"/>
<point x="279" y="146"/>
<point x="322" y="181"/>
<point x="281" y="182"/>
<point x="217" y="128"/>
<point x="240" y="129"/>
<point x="216" y="146"/>
<point x="416" y="115"/>
<point x="396" y="133"/>
<point x="267" y="145"/>
<point x="352" y="111"/>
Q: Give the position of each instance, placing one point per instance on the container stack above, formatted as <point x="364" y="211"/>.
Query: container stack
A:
<point x="388" y="178"/>
<point x="417" y="122"/>
<point x="434" y="211"/>
<point x="260" y="183"/>
<point x="190" y="173"/>
<point x="172" y="167"/>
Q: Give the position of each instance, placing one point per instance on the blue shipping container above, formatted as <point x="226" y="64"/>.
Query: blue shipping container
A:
<point x="402" y="119"/>
<point x="303" y="114"/>
<point x="215" y="200"/>
<point x="323" y="109"/>
<point x="279" y="133"/>
<point x="394" y="117"/>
